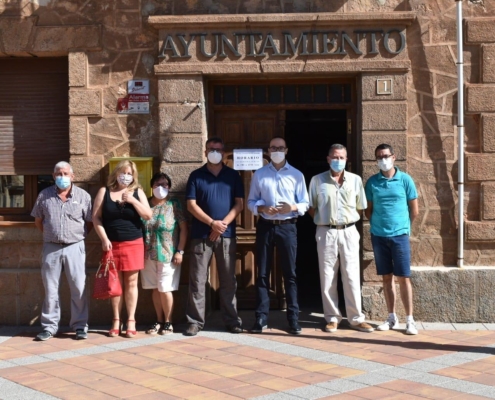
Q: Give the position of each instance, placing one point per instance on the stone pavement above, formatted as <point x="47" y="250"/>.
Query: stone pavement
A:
<point x="444" y="361"/>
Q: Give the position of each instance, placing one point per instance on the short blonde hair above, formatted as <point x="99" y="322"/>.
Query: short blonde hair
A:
<point x="112" y="182"/>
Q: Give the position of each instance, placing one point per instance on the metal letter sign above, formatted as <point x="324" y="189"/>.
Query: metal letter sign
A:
<point x="384" y="86"/>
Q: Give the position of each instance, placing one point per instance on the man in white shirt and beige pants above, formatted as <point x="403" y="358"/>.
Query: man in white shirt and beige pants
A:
<point x="336" y="200"/>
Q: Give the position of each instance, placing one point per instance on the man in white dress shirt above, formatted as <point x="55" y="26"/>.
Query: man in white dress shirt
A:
<point x="278" y="196"/>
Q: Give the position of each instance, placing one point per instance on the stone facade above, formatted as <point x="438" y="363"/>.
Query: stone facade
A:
<point x="110" y="42"/>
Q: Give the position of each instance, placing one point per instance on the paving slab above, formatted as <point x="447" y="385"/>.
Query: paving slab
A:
<point x="443" y="361"/>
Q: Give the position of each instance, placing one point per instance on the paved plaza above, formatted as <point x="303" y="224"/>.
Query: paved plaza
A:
<point x="445" y="361"/>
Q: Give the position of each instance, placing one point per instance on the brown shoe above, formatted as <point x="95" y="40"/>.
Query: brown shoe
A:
<point x="362" y="327"/>
<point x="331" y="327"/>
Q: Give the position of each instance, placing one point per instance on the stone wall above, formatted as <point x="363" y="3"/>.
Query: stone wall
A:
<point x="108" y="42"/>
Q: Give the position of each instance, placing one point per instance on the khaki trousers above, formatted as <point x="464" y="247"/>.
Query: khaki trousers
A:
<point x="339" y="248"/>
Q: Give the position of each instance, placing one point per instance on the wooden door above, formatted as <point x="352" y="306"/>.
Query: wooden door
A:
<point x="248" y="129"/>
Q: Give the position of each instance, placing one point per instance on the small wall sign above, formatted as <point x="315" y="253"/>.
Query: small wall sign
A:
<point x="384" y="86"/>
<point x="137" y="100"/>
<point x="248" y="159"/>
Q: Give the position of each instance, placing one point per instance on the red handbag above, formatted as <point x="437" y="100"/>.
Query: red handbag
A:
<point x="107" y="282"/>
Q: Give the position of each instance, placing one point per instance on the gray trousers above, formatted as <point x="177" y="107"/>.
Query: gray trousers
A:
<point x="72" y="258"/>
<point x="201" y="253"/>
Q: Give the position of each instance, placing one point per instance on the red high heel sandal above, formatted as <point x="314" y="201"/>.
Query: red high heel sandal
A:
<point x="115" y="332"/>
<point x="128" y="333"/>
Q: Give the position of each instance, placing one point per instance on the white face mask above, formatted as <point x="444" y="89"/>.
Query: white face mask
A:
<point x="277" y="157"/>
<point x="385" y="164"/>
<point x="125" y="179"/>
<point x="160" y="192"/>
<point x="214" y="157"/>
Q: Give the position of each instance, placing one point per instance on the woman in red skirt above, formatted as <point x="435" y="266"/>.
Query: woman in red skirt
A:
<point x="117" y="214"/>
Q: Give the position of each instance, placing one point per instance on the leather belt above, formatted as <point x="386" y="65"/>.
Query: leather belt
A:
<point x="62" y="244"/>
<point x="341" y="226"/>
<point x="279" y="221"/>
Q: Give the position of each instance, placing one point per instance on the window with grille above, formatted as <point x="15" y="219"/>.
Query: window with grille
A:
<point x="282" y="94"/>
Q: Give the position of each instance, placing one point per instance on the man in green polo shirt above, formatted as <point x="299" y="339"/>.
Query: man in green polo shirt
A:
<point x="392" y="207"/>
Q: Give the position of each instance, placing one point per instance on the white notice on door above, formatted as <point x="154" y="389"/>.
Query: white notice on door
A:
<point x="248" y="159"/>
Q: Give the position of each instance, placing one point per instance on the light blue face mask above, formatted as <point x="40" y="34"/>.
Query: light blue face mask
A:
<point x="337" y="165"/>
<point x="62" y="182"/>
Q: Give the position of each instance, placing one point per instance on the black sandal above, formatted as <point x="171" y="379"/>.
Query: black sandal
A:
<point x="155" y="328"/>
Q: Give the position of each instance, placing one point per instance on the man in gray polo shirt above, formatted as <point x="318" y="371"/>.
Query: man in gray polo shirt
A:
<point x="63" y="213"/>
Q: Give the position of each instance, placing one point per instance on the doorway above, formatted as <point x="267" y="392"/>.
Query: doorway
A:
<point x="309" y="134"/>
<point x="311" y="116"/>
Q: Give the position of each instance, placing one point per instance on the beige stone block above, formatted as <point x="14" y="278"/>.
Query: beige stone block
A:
<point x="8" y="295"/>
<point x="424" y="253"/>
<point x="180" y="119"/>
<point x="181" y="89"/>
<point x="440" y="123"/>
<point x="372" y="139"/>
<point x="436" y="57"/>
<point x="415" y="147"/>
<point x="128" y="20"/>
<point x="85" y="102"/>
<point x="108" y="127"/>
<point x="480" y="30"/>
<point x="31" y="295"/>
<point x="86" y="169"/>
<point x="369" y="87"/>
<point x="422" y="171"/>
<point x="480" y="98"/>
<point x="472" y="201"/>
<point x="419" y="125"/>
<point x="78" y="135"/>
<point x="128" y="4"/>
<point x="179" y="174"/>
<point x="182" y="149"/>
<point x="369" y="272"/>
<point x="373" y="116"/>
<point x="444" y="296"/>
<point x="472" y="137"/>
<point x="480" y="231"/>
<point x="488" y="201"/>
<point x="445" y="84"/>
<point x="488" y="63"/>
<point x="15" y="33"/>
<point x="439" y="222"/>
<point x="480" y="167"/>
<point x="485" y="298"/>
<point x="77" y="69"/>
<point x="488" y="133"/>
<point x="20" y="234"/>
<point x="98" y="75"/>
<point x="440" y="147"/>
<point x="60" y="39"/>
<point x="438" y="195"/>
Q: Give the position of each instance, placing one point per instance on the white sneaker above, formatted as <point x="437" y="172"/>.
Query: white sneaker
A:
<point x="411" y="328"/>
<point x="390" y="323"/>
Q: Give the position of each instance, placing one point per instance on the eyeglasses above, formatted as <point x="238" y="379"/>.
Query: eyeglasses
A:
<point x="384" y="156"/>
<point x="274" y="149"/>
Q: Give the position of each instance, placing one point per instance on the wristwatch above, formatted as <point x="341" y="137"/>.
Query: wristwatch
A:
<point x="181" y="252"/>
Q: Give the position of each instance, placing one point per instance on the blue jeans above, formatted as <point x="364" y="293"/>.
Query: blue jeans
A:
<point x="284" y="237"/>
<point x="392" y="255"/>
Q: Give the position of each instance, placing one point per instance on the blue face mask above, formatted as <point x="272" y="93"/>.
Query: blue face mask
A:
<point x="62" y="182"/>
<point x="337" y="165"/>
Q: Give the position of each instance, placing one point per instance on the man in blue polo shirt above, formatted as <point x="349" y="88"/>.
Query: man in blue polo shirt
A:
<point x="215" y="196"/>
<point x="392" y="207"/>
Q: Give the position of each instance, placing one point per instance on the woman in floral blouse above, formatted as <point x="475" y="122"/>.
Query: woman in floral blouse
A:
<point x="165" y="239"/>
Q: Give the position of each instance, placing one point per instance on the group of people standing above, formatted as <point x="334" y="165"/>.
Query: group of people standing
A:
<point x="149" y="235"/>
